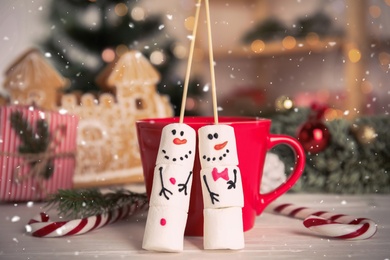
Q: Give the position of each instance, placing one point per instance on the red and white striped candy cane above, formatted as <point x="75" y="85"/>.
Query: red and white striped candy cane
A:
<point x="40" y="226"/>
<point x="328" y="224"/>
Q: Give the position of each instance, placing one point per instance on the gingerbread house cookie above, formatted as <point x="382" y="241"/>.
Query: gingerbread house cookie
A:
<point x="31" y="80"/>
<point x="107" y="146"/>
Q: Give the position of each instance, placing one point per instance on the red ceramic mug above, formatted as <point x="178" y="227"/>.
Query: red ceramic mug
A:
<point x="253" y="141"/>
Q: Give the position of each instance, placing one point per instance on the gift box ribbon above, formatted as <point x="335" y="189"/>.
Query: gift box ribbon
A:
<point x="39" y="161"/>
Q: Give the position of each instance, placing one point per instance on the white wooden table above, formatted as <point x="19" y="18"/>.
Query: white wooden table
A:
<point x="273" y="237"/>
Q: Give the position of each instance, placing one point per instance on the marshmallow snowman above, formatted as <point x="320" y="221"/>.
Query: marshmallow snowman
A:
<point x="171" y="188"/>
<point x="222" y="191"/>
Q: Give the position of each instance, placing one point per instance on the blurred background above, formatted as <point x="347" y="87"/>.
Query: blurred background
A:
<point x="335" y="52"/>
<point x="318" y="68"/>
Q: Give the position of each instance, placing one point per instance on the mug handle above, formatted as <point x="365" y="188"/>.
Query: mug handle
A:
<point x="265" y="199"/>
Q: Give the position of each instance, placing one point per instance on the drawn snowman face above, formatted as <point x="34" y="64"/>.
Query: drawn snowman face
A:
<point x="217" y="146"/>
<point x="177" y="145"/>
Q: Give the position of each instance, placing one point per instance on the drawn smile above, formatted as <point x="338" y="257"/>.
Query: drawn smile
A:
<point x="174" y="159"/>
<point x="220" y="158"/>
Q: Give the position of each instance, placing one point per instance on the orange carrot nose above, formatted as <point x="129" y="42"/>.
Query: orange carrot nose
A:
<point x="179" y="141"/>
<point x="220" y="146"/>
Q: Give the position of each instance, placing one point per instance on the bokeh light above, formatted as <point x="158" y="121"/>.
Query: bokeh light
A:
<point x="257" y="46"/>
<point x="190" y="104"/>
<point x="138" y="13"/>
<point x="189" y="23"/>
<point x="157" y="58"/>
<point x="333" y="114"/>
<point x="312" y="38"/>
<point x="108" y="55"/>
<point x="354" y="55"/>
<point x="375" y="11"/>
<point x="289" y="42"/>
<point x="384" y="60"/>
<point x="121" y="49"/>
<point x="179" y="51"/>
<point x="121" y="9"/>
<point x="284" y="103"/>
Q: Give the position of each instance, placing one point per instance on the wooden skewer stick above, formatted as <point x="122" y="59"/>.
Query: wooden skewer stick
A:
<point x="211" y="58"/>
<point x="189" y="63"/>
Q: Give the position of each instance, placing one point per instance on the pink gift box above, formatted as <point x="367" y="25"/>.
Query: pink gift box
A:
<point x="22" y="174"/>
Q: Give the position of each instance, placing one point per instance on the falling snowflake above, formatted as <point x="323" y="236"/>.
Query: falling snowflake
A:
<point x="15" y="219"/>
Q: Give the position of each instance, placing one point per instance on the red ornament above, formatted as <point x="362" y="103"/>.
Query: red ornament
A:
<point x="314" y="135"/>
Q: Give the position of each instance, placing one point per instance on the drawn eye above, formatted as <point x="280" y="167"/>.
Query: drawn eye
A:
<point x="215" y="135"/>
<point x="173" y="131"/>
<point x="210" y="136"/>
<point x="181" y="133"/>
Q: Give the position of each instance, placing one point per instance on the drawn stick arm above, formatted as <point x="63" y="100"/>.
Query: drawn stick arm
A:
<point x="163" y="189"/>
<point x="232" y="184"/>
<point x="213" y="195"/>
<point x="183" y="186"/>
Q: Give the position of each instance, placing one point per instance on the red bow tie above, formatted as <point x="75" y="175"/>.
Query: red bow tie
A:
<point x="224" y="174"/>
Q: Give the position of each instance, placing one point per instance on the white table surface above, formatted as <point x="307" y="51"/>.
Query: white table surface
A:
<point x="273" y="237"/>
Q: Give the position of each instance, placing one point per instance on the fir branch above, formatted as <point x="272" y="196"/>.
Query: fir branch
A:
<point x="23" y="130"/>
<point x="347" y="165"/>
<point x="31" y="142"/>
<point x="42" y="136"/>
<point x="83" y="203"/>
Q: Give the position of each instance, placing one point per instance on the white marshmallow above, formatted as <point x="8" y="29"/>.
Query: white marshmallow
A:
<point x="177" y="145"/>
<point x="164" y="229"/>
<point x="171" y="186"/>
<point x="222" y="187"/>
<point x="223" y="228"/>
<point x="171" y="189"/>
<point x="222" y="190"/>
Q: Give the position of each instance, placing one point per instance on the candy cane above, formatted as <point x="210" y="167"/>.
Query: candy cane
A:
<point x="40" y="226"/>
<point x="327" y="224"/>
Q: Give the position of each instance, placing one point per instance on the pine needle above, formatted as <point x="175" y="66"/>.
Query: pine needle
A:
<point x="84" y="203"/>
